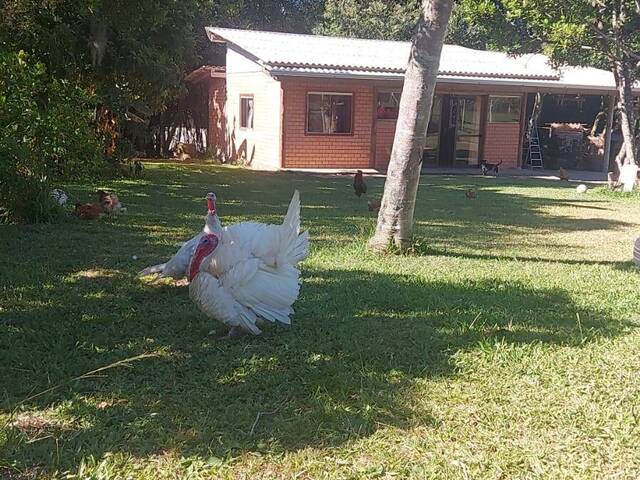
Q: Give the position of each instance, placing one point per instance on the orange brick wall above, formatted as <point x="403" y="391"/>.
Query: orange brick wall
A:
<point x="502" y="143"/>
<point x="385" y="131"/>
<point x="326" y="151"/>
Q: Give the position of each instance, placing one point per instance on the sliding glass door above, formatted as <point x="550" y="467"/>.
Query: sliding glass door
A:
<point x="467" y="129"/>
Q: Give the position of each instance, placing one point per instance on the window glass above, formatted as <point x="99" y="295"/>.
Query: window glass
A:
<point x="465" y="112"/>
<point x="504" y="109"/>
<point x="329" y="113"/>
<point x="432" y="144"/>
<point x="246" y="112"/>
<point x="388" y="105"/>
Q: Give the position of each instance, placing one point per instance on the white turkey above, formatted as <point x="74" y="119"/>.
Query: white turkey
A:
<point x="248" y="271"/>
<point x="177" y="265"/>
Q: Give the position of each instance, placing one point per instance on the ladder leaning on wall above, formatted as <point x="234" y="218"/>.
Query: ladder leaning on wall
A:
<point x="534" y="156"/>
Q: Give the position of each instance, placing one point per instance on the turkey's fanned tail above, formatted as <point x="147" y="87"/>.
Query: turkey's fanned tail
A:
<point x="294" y="246"/>
<point x="301" y="250"/>
<point x="292" y="218"/>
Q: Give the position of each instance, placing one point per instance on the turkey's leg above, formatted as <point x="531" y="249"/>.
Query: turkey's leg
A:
<point x="234" y="332"/>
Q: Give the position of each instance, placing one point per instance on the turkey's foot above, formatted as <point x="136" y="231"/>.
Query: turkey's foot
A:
<point x="234" y="332"/>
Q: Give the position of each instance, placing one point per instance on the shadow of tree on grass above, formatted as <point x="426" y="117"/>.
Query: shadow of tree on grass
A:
<point x="361" y="340"/>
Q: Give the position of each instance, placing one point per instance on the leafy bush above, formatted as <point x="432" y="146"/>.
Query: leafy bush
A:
<point x="46" y="134"/>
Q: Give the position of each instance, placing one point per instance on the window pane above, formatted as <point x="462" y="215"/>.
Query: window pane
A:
<point x="341" y="110"/>
<point x="250" y="112"/>
<point x="436" y="115"/>
<point x="432" y="144"/>
<point x="467" y="150"/>
<point x="467" y="123"/>
<point x="246" y="112"/>
<point x="315" y="114"/>
<point x="504" y="109"/>
<point x="468" y="116"/>
<point x="388" y="105"/>
<point x="329" y="113"/>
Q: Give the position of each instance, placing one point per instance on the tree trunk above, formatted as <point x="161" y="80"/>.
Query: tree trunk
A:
<point x="627" y="114"/>
<point x="395" y="219"/>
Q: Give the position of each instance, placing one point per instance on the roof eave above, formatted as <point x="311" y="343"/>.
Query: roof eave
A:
<point x="525" y="83"/>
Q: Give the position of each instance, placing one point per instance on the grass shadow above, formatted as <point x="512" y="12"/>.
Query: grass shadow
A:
<point x="361" y="341"/>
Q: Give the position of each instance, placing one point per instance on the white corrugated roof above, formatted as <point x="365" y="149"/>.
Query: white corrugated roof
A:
<point x="315" y="55"/>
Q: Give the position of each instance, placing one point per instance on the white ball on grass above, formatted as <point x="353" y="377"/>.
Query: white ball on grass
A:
<point x="582" y="188"/>
<point x="134" y="257"/>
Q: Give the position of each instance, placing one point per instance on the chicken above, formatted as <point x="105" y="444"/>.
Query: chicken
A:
<point x="359" y="184"/>
<point x="471" y="193"/>
<point x="374" y="205"/>
<point x="613" y="181"/>
<point x="177" y="265"/>
<point x="137" y="169"/>
<point x="109" y="202"/>
<point x="249" y="271"/>
<point x="564" y="175"/>
<point x="88" y="211"/>
<point x="59" y="196"/>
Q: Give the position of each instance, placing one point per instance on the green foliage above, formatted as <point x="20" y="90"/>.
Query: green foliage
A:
<point x="379" y="19"/>
<point x="45" y="134"/>
<point x="297" y="16"/>
<point x="390" y="20"/>
<point x="575" y="32"/>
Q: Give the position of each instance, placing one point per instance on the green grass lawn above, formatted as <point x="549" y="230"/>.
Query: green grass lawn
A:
<point x="505" y="346"/>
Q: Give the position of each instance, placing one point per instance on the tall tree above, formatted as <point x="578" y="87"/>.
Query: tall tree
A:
<point x="393" y="20"/>
<point x="395" y="220"/>
<point x="602" y="33"/>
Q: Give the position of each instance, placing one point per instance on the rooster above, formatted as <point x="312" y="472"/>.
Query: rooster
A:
<point x="177" y="265"/>
<point x="374" y="205"/>
<point x="564" y="175"/>
<point x="359" y="185"/>
<point x="248" y="271"/>
<point x="109" y="202"/>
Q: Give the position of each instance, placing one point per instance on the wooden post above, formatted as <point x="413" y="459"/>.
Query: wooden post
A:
<point x="608" y="132"/>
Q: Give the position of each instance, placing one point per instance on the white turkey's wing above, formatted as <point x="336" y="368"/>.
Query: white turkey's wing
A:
<point x="229" y="252"/>
<point x="216" y="302"/>
<point x="268" y="292"/>
<point x="177" y="265"/>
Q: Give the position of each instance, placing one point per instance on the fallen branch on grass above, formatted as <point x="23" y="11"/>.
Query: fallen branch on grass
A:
<point x="258" y="416"/>
<point x="120" y="363"/>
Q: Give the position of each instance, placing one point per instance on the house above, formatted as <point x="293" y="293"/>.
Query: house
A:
<point x="288" y="101"/>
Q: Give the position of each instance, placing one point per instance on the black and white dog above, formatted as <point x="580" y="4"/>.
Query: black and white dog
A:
<point x="490" y="167"/>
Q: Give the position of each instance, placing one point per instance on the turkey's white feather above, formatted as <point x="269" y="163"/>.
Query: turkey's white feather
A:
<point x="253" y="265"/>
<point x="177" y="265"/>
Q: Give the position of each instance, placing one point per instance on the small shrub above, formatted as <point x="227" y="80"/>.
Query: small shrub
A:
<point x="46" y="135"/>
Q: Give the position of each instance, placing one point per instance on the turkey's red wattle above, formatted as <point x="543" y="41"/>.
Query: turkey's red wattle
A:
<point x="211" y="205"/>
<point x="203" y="251"/>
